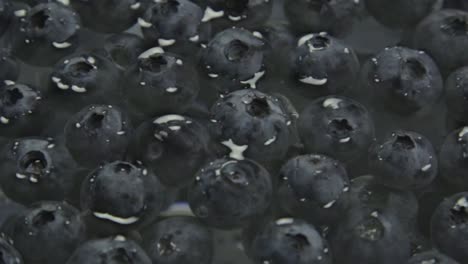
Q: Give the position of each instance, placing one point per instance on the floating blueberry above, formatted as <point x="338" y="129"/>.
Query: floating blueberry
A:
<point x="109" y="251"/>
<point x="337" y="126"/>
<point x="229" y="193"/>
<point x="123" y="49"/>
<point x="35" y="169"/>
<point x="178" y="240"/>
<point x="403" y="80"/>
<point x="403" y="160"/>
<point x="453" y="159"/>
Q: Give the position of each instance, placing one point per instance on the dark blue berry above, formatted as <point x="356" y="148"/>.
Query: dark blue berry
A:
<point x="178" y="240"/>
<point x="98" y="134"/>
<point x="160" y="83"/>
<point x="47" y="232"/>
<point x="337" y="126"/>
<point x="289" y="241"/>
<point x="252" y="124"/>
<point x="233" y="60"/>
<point x="229" y="193"/>
<point x="432" y="256"/>
<point x="118" y="197"/>
<point x="36" y="169"/>
<point x="449" y="230"/>
<point x="456" y="96"/>
<point x="403" y="160"/>
<point x="453" y="157"/>
<point x="311" y="187"/>
<point x="443" y="35"/>
<point x="123" y="49"/>
<point x="403" y="80"/>
<point x="324" y="65"/>
<point x="48" y="32"/>
<point x="174" y="147"/>
<point x="109" y="251"/>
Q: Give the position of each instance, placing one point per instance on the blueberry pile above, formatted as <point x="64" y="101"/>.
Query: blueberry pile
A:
<point x="233" y="131"/>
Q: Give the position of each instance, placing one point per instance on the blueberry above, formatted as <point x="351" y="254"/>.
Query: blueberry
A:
<point x="311" y="187"/>
<point x="233" y="59"/>
<point x="401" y="13"/>
<point x="403" y="80"/>
<point x="289" y="241"/>
<point x="47" y="227"/>
<point x="8" y="254"/>
<point x="335" y="16"/>
<point x="175" y="147"/>
<point x="222" y="14"/>
<point x="22" y="110"/>
<point x="403" y="160"/>
<point x="178" y="240"/>
<point x="230" y="193"/>
<point x="160" y="83"/>
<point x="324" y="65"/>
<point x="369" y="238"/>
<point x="453" y="159"/>
<point x="336" y="126"/>
<point x="456" y="96"/>
<point x="119" y="197"/>
<point x="36" y="169"/>
<point x="252" y="124"/>
<point x="448" y="226"/>
<point x="10" y="67"/>
<point x="123" y="49"/>
<point x="110" y="16"/>
<point x="367" y="196"/>
<point x="109" y="251"/>
<point x="280" y="45"/>
<point x="98" y="134"/>
<point x="432" y="256"/>
<point x="443" y="34"/>
<point x="172" y="22"/>
<point x="48" y="32"/>
<point x="85" y="78"/>
<point x="5" y="15"/>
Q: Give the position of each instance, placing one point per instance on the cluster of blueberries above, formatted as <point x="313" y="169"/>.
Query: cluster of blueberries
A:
<point x="133" y="131"/>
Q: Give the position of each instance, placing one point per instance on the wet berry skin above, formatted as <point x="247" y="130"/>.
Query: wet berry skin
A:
<point x="337" y="126"/>
<point x="252" y="124"/>
<point x="456" y="95"/>
<point x="453" y="156"/>
<point x="10" y="67"/>
<point x="401" y="13"/>
<point x="369" y="238"/>
<point x="22" y="109"/>
<point x="232" y="60"/>
<point x="174" y="22"/>
<point x="443" y="35"/>
<point x="32" y="232"/>
<point x="311" y="187"/>
<point x="324" y="65"/>
<point x="431" y="256"/>
<point x="36" y="169"/>
<point x="85" y="78"/>
<point x="448" y="226"/>
<point x="178" y="240"/>
<point x="160" y="83"/>
<point x="8" y="253"/>
<point x="123" y="49"/>
<point x="229" y="193"/>
<point x="174" y="147"/>
<point x="403" y="80"/>
<point x="112" y="250"/>
<point x="118" y="197"/>
<point x="48" y="32"/>
<point x="334" y="16"/>
<point x="403" y="160"/>
<point x="289" y="241"/>
<point x="368" y="196"/>
<point x="98" y="134"/>
<point x="111" y="16"/>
